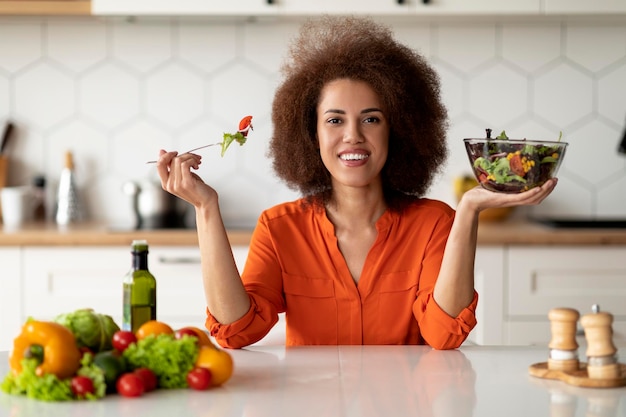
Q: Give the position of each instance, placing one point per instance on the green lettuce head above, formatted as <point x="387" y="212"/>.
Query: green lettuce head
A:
<point x="92" y="330"/>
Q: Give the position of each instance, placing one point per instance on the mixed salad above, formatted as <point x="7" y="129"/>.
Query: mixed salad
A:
<point x="512" y="166"/>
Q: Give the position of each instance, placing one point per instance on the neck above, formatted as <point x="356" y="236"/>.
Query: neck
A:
<point x="355" y="208"/>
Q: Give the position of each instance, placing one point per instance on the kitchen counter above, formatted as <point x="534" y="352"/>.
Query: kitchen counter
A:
<point x="94" y="234"/>
<point x="489" y="233"/>
<point x="358" y="381"/>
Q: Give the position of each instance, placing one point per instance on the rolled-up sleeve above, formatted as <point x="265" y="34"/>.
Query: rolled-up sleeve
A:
<point x="440" y="330"/>
<point x="250" y="328"/>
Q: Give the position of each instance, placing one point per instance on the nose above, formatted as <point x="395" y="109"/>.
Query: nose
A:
<point x="352" y="133"/>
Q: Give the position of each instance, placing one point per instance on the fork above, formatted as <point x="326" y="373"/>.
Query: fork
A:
<point x="191" y="150"/>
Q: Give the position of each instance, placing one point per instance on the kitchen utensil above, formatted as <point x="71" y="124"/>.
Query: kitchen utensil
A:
<point x="18" y="204"/>
<point x="68" y="205"/>
<point x="153" y="207"/>
<point x="6" y="134"/>
<point x="191" y="150"/>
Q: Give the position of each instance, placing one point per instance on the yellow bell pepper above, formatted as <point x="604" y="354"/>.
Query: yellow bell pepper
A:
<point x="60" y="353"/>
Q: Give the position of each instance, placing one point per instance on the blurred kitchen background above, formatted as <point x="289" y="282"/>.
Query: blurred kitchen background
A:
<point x="115" y="90"/>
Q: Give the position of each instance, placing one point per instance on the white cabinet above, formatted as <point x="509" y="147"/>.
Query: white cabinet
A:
<point x="62" y="279"/>
<point x="584" y="6"/>
<point x="308" y="7"/>
<point x="483" y="7"/>
<point x="489" y="283"/>
<point x="541" y="278"/>
<point x="518" y="285"/>
<point x="184" y="7"/>
<point x="246" y="8"/>
<point x="10" y="295"/>
<point x="42" y="282"/>
<point x="356" y="7"/>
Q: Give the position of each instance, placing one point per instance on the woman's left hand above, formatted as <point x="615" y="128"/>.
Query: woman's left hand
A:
<point x="480" y="199"/>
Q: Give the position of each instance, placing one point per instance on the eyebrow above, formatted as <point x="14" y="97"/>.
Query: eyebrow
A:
<point x="364" y="111"/>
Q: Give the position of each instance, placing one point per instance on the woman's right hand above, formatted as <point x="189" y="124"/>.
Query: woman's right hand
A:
<point x="178" y="179"/>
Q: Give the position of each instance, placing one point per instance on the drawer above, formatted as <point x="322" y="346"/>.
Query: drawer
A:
<point x="542" y="278"/>
<point x="58" y="280"/>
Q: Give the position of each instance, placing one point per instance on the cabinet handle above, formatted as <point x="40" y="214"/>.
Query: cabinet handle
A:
<point x="178" y="260"/>
<point x="400" y="1"/>
<point x="270" y="1"/>
<point x="426" y="1"/>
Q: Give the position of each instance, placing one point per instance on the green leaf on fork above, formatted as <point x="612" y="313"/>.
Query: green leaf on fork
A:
<point x="230" y="138"/>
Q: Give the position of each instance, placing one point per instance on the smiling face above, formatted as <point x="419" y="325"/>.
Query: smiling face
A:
<point x="352" y="133"/>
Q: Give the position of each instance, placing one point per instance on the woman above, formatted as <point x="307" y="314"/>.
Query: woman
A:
<point x="362" y="258"/>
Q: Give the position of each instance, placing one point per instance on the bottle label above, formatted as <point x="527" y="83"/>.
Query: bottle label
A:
<point x="127" y="311"/>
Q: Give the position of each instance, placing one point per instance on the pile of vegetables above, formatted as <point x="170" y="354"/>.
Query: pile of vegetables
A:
<point x="84" y="355"/>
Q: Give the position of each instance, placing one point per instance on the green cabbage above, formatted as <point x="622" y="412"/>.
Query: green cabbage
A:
<point x="92" y="330"/>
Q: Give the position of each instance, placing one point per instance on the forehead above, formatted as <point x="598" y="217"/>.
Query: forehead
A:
<point x="347" y="91"/>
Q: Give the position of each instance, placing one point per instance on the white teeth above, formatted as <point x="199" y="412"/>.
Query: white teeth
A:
<point x="353" y="156"/>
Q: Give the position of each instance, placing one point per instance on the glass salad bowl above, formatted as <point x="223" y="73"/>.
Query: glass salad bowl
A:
<point x="513" y="165"/>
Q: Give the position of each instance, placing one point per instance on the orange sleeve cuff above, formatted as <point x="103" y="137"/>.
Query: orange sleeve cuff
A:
<point x="255" y="322"/>
<point x="440" y="330"/>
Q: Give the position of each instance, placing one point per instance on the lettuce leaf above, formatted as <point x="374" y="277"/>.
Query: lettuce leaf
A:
<point x="49" y="387"/>
<point x="230" y="138"/>
<point x="170" y="359"/>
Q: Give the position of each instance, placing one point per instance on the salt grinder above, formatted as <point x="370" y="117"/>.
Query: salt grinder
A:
<point x="601" y="358"/>
<point x="563" y="345"/>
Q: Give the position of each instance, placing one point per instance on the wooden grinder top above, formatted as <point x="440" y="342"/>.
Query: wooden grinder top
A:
<point x="599" y="334"/>
<point x="563" y="327"/>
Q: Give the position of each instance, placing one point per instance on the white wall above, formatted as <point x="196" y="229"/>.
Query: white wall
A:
<point x="115" y="92"/>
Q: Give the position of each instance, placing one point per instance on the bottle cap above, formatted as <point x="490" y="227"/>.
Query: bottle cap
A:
<point x="140" y="245"/>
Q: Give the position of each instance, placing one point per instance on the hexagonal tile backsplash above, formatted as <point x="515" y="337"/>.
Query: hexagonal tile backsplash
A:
<point x="114" y="92"/>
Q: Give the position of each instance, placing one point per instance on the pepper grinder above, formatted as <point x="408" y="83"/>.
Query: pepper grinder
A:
<point x="601" y="358"/>
<point x="68" y="205"/>
<point x="563" y="345"/>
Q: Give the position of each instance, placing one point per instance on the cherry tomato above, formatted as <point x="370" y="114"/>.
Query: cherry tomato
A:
<point x="130" y="385"/>
<point x="199" y="378"/>
<point x="148" y="377"/>
<point x="84" y="350"/>
<point x="185" y="331"/>
<point x="122" y="339"/>
<point x="516" y="165"/>
<point x="81" y="386"/>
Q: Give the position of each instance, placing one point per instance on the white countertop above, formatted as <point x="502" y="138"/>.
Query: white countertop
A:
<point x="386" y="381"/>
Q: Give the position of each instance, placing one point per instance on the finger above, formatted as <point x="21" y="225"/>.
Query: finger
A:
<point x="538" y="194"/>
<point x="182" y="166"/>
<point x="163" y="165"/>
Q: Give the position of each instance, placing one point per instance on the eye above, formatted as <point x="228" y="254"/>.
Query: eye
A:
<point x="333" y="121"/>
<point x="371" y="119"/>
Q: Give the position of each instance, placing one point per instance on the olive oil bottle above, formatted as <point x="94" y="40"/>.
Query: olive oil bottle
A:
<point x="139" y="290"/>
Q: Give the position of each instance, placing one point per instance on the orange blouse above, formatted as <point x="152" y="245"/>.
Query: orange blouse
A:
<point x="294" y="265"/>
